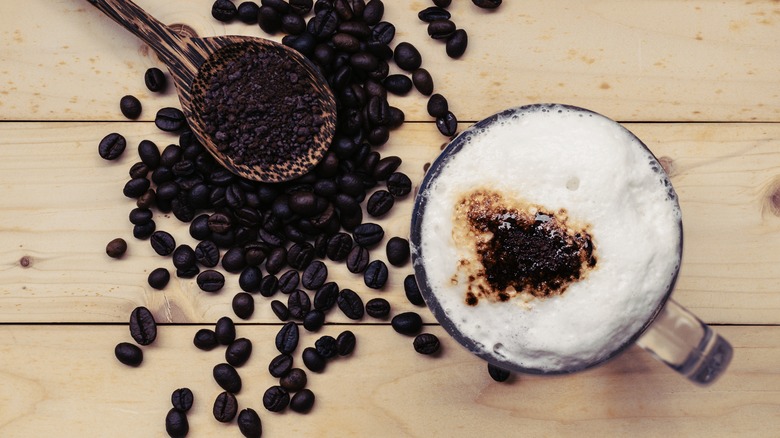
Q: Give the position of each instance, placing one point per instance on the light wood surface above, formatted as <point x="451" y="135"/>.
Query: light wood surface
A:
<point x="697" y="81"/>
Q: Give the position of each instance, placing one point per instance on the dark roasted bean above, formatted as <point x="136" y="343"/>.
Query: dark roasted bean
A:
<point x="324" y="24"/>
<point x="487" y="4"/>
<point x="383" y="32"/>
<point x="412" y="291"/>
<point x="159" y="278"/>
<point x="327" y="346"/>
<point x="276" y="260"/>
<point x="422" y="81"/>
<point x="398" y="84"/>
<point x="225" y="407"/>
<point x="313" y="320"/>
<point x="129" y="354"/>
<point x="299" y="304"/>
<point x="238" y="352"/>
<point x="375" y="275"/>
<point x="207" y="254"/>
<point x="302" y="401"/>
<point x="379" y="203"/>
<point x="144" y="231"/>
<point x="227" y="377"/>
<point x="357" y="260"/>
<point x="251" y="279"/>
<point x="269" y="285"/>
<point x="116" y="248"/>
<point x="138" y="170"/>
<point x="399" y="184"/>
<point x="313" y="360"/>
<point x="447" y="124"/>
<point x="442" y="3"/>
<point x="210" y="280"/>
<point x="294" y="381"/>
<point x="136" y="187"/>
<point x="437" y="106"/>
<point x="407" y="323"/>
<point x="155" y="79"/>
<point x="426" y="343"/>
<point x="433" y="13"/>
<point x="407" y="57"/>
<point x="130" y="107"/>
<point x="497" y="373"/>
<point x="339" y="246"/>
<point x="205" y="339"/>
<point x="326" y="296"/>
<point x="280" y="365"/>
<point x="378" y="308"/>
<point x="294" y="24"/>
<point x="288" y="281"/>
<point x="300" y="255"/>
<point x="112" y="146"/>
<point x="280" y="310"/>
<point x="143" y="327"/>
<point x="243" y="305"/>
<point x="301" y="7"/>
<point x="457" y="43"/>
<point x="247" y="12"/>
<point x="373" y="12"/>
<point x="223" y="10"/>
<point x="176" y="424"/>
<point x="287" y="338"/>
<point x="441" y="29"/>
<point x="182" y="399"/>
<point x="190" y="272"/>
<point x="368" y="234"/>
<point x="140" y="216"/>
<point x="170" y="119"/>
<point x="184" y="257"/>
<point x="233" y="260"/>
<point x="162" y="243"/>
<point x="364" y="61"/>
<point x="345" y="342"/>
<point x="276" y="399"/>
<point x="249" y="423"/>
<point x="269" y="19"/>
<point x="350" y="304"/>
<point x="225" y="330"/>
<point x="397" y="251"/>
<point x="314" y="275"/>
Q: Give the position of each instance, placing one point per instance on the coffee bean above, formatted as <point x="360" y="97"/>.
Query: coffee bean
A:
<point x="155" y="80"/>
<point x="378" y="308"/>
<point x="487" y="4"/>
<point x="357" y="260"/>
<point x="498" y="374"/>
<point x="300" y="255"/>
<point x="351" y="304"/>
<point x="162" y="243"/>
<point x="279" y="6"/>
<point x="407" y="57"/>
<point x="176" y="424"/>
<point x="447" y="124"/>
<point x="138" y="170"/>
<point x="182" y="399"/>
<point x="207" y="253"/>
<point x="116" y="248"/>
<point x="238" y="352"/>
<point x="375" y="275"/>
<point x="280" y="365"/>
<point x="373" y="12"/>
<point x="379" y="203"/>
<point x="143" y="327"/>
<point x="269" y="19"/>
<point x="210" y="280"/>
<point x="276" y="399"/>
<point x="437" y="106"/>
<point x="313" y="360"/>
<point x="269" y="285"/>
<point x="398" y="84"/>
<point x="129" y="354"/>
<point x="457" y="43"/>
<point x="225" y="330"/>
<point x="130" y="107"/>
<point x="280" y="310"/>
<point x="422" y="81"/>
<point x="247" y="12"/>
<point x="314" y="275"/>
<point x="144" y="231"/>
<point x="399" y="184"/>
<point x="327" y="346"/>
<point x="407" y="323"/>
<point x="441" y="29"/>
<point x="227" y="377"/>
<point x="299" y="304"/>
<point x="184" y="257"/>
<point x="383" y="32"/>
<point x="233" y="260"/>
<point x="302" y="401"/>
<point x="397" y="250"/>
<point x="136" y="187"/>
<point x="225" y="407"/>
<point x="426" y="343"/>
<point x="433" y="13"/>
<point x="255" y="253"/>
<point x="368" y="234"/>
<point x="147" y="199"/>
<point x="170" y="119"/>
<point x="303" y="203"/>
<point x="190" y="272"/>
<point x="159" y="278"/>
<point x="205" y="339"/>
<point x="442" y="3"/>
<point x="276" y="260"/>
<point x="288" y="281"/>
<point x="287" y="338"/>
<point x="313" y="320"/>
<point x="339" y="246"/>
<point x="324" y="24"/>
<point x="112" y="146"/>
<point x="345" y="343"/>
<point x="294" y="381"/>
<point x="243" y="305"/>
<point x="249" y="423"/>
<point x="140" y="216"/>
<point x="223" y="10"/>
<point x="326" y="296"/>
<point x="301" y="7"/>
<point x="412" y="291"/>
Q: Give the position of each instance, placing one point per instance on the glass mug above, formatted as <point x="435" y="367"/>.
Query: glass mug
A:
<point x="490" y="325"/>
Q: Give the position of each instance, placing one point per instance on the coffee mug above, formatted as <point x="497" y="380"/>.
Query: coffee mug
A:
<point x="547" y="239"/>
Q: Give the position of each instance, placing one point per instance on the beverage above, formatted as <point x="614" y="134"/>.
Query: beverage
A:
<point x="546" y="238"/>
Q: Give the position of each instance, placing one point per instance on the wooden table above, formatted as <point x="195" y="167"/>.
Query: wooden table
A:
<point x="698" y="81"/>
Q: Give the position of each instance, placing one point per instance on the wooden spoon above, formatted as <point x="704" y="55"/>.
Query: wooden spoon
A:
<point x="190" y="60"/>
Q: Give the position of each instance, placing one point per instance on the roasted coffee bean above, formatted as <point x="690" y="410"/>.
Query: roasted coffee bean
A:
<point x="412" y="291"/>
<point x="112" y="146"/>
<point x="159" y="278"/>
<point x="399" y="184"/>
<point x="397" y="250"/>
<point x="364" y="61"/>
<point x="225" y="330"/>
<point x="324" y="24"/>
<point x="368" y="234"/>
<point x="269" y="19"/>
<point x="116" y="248"/>
<point x="383" y="32"/>
<point x="129" y="354"/>
<point x="279" y="6"/>
<point x="442" y="3"/>
<point x="302" y="401"/>
<point x="207" y="254"/>
<point x="407" y="57"/>
<point x="238" y="352"/>
<point x="176" y="424"/>
<point x="351" y="304"/>
<point x="407" y="323"/>
<point x="378" y="308"/>
<point x="233" y="260"/>
<point x="339" y="246"/>
<point x="280" y="310"/>
<point x="143" y="327"/>
<point x="357" y="260"/>
<point x="375" y="275"/>
<point x="155" y="80"/>
<point x="313" y="360"/>
<point x="433" y="13"/>
<point x="269" y="285"/>
<point x="303" y="203"/>
<point x="426" y="343"/>
<point x="144" y="231"/>
<point x="327" y="346"/>
<point x="373" y="12"/>
<point x="380" y="203"/>
<point x="398" y="84"/>
<point x="225" y="407"/>
<point x="219" y="223"/>
<point x="139" y="216"/>
<point x="227" y="377"/>
<point x="182" y="399"/>
<point x="447" y="124"/>
<point x="170" y="119"/>
<point x="441" y="29"/>
<point x="247" y="12"/>
<point x="170" y="155"/>
<point x="345" y="343"/>
<point x="210" y="280"/>
<point x="167" y="191"/>
<point x="300" y="255"/>
<point x="190" y="272"/>
<point x="294" y="381"/>
<point x="146" y="200"/>
<point x="255" y="253"/>
<point x="280" y="365"/>
<point x="249" y="423"/>
<point x="162" y="243"/>
<point x="385" y="167"/>
<point x="276" y="399"/>
<point x="422" y="81"/>
<point x="301" y="7"/>
<point x="205" y="339"/>
<point x="457" y="43"/>
<point x="313" y="320"/>
<point x="487" y="4"/>
<point x="243" y="305"/>
<point x="314" y="275"/>
<point x="348" y="43"/>
<point x="288" y="281"/>
<point x="326" y="296"/>
<point x="136" y="187"/>
<point x="437" y="106"/>
<point x="223" y="10"/>
<point x="299" y="304"/>
<point x="287" y="338"/>
<point x="498" y="374"/>
<point x="138" y="170"/>
<point x="276" y="260"/>
<point x="130" y="107"/>
<point x="184" y="257"/>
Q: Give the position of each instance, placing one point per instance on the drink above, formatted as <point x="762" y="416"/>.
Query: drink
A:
<point x="546" y="238"/>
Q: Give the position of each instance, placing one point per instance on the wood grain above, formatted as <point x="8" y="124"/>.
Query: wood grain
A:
<point x="631" y="60"/>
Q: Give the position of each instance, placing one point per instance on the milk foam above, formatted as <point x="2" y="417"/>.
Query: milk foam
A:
<point x="601" y="175"/>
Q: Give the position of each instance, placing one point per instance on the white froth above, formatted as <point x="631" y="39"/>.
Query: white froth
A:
<point x="601" y="175"/>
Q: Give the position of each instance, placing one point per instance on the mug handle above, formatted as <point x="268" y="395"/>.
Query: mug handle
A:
<point x="686" y="344"/>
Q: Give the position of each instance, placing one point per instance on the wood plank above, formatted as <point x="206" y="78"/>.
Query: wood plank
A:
<point x="632" y="60"/>
<point x="64" y="381"/>
<point x="58" y="214"/>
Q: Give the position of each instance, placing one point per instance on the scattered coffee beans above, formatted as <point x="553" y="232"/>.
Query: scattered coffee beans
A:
<point x="210" y="280"/>
<point x="357" y="260"/>
<point x="162" y="243"/>
<point x="487" y="4"/>
<point x="280" y="310"/>
<point x="326" y="346"/>
<point x="457" y="43"/>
